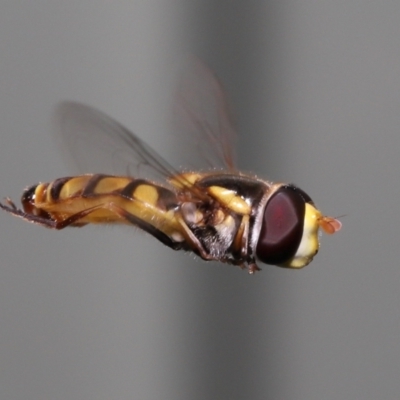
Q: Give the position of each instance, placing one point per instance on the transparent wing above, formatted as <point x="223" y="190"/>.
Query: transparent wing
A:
<point x="99" y="144"/>
<point x="202" y="119"/>
<point x="203" y="133"/>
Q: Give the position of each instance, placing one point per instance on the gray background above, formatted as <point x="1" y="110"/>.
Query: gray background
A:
<point x="108" y="313"/>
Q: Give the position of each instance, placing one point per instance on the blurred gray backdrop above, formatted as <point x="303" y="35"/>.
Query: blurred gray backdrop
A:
<point x="109" y="313"/>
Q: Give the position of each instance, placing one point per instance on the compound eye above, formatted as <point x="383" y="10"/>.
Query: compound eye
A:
<point x="282" y="225"/>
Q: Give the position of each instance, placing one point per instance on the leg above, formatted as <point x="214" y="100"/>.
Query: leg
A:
<point x="192" y="241"/>
<point x="151" y="229"/>
<point x="46" y="220"/>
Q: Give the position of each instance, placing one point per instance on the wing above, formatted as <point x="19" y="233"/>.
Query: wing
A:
<point x="202" y="119"/>
<point x="99" y="144"/>
<point x="203" y="133"/>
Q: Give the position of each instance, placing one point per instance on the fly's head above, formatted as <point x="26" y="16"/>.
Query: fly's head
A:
<point x="289" y="228"/>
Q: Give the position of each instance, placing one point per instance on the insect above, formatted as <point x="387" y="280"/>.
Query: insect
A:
<point x="221" y="215"/>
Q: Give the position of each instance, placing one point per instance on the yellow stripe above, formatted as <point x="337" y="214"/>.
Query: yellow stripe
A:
<point x="73" y="186"/>
<point x="147" y="194"/>
<point x="230" y="199"/>
<point x="109" y="184"/>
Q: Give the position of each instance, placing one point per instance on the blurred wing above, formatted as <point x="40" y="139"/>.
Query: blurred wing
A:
<point x="203" y="133"/>
<point x="202" y="120"/>
<point x="99" y="144"/>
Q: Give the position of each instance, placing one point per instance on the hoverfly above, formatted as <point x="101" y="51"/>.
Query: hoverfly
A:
<point x="221" y="215"/>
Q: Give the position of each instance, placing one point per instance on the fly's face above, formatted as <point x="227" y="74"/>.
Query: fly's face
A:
<point x="289" y="228"/>
<point x="225" y="216"/>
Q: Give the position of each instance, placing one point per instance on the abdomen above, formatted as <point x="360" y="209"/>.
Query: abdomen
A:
<point x="76" y="201"/>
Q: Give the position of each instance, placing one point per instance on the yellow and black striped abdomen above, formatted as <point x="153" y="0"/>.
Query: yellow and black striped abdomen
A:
<point x="76" y="201"/>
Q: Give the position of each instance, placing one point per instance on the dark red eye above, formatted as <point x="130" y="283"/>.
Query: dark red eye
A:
<point x="282" y="225"/>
